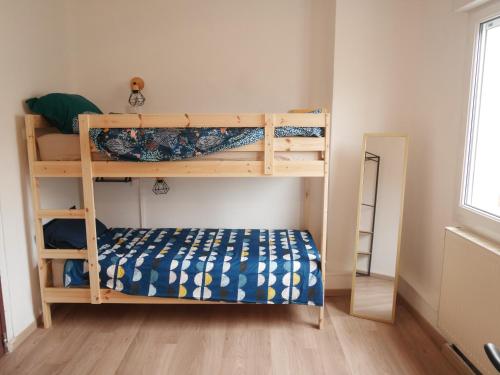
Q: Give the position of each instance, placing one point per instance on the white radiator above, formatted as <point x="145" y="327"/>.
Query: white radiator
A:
<point x="469" y="309"/>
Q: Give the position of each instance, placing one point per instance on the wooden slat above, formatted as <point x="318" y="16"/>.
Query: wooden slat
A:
<point x="63" y="254"/>
<point x="112" y="296"/>
<point x="179" y="169"/>
<point x="206" y="168"/>
<point x="67" y="295"/>
<point x="200" y="168"/>
<point x="316" y="120"/>
<point x="177" y="120"/>
<point x="68" y="214"/>
<point x="200" y="120"/>
<point x="57" y="169"/>
<point x="299" y="144"/>
<point x="285" y="144"/>
<point x="324" y="217"/>
<point x="111" y="121"/>
<point x="89" y="206"/>
<point x="269" y="144"/>
<point x="35" y="192"/>
<point x="226" y="120"/>
<point x="82" y="295"/>
<point x="38" y="121"/>
<point x="313" y="168"/>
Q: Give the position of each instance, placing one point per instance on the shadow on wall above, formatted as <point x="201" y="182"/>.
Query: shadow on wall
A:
<point x="416" y="229"/>
<point x="345" y="164"/>
<point x="29" y="230"/>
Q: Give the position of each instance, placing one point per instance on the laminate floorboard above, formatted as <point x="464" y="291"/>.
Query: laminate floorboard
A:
<point x="373" y="297"/>
<point x="224" y="339"/>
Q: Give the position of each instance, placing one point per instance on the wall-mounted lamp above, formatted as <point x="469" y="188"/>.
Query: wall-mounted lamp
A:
<point x="160" y="187"/>
<point x="136" y="99"/>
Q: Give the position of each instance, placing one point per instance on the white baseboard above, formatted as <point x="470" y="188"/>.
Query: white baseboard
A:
<point x="14" y="343"/>
<point x="429" y="313"/>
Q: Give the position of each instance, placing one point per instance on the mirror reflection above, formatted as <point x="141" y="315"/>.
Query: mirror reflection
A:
<point x="379" y="226"/>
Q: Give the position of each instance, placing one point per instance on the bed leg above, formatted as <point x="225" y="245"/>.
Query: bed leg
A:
<point x="321" y="317"/>
<point x="47" y="315"/>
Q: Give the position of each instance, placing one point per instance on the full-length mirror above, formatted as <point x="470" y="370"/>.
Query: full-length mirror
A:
<point x="380" y="209"/>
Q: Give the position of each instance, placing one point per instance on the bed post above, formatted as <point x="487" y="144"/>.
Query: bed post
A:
<point x="324" y="220"/>
<point x="270" y="122"/>
<point x="89" y="207"/>
<point x="43" y="264"/>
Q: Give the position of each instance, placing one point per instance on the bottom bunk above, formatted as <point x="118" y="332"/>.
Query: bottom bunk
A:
<point x="212" y="265"/>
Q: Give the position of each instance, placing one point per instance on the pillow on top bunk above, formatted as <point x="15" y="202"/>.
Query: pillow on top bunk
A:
<point x="62" y="110"/>
<point x="68" y="233"/>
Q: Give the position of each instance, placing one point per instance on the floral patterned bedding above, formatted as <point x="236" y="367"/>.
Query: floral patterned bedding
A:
<point x="163" y="144"/>
<point x="176" y="144"/>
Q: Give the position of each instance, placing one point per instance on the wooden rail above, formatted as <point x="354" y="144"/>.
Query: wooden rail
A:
<point x="63" y="254"/>
<point x="199" y="120"/>
<point x="195" y="168"/>
<point x="82" y="295"/>
<point x="68" y="214"/>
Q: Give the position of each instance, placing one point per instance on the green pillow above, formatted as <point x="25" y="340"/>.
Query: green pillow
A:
<point x="62" y="110"/>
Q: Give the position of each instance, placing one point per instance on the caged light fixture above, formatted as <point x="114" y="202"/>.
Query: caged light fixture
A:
<point x="160" y="186"/>
<point x="136" y="99"/>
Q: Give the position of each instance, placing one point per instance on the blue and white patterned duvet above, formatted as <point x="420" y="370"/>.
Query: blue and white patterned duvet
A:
<point x="233" y="265"/>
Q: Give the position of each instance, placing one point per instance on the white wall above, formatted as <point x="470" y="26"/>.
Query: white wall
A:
<point x="374" y="77"/>
<point x="33" y="63"/>
<point x="218" y="56"/>
<point x="402" y="68"/>
<point x="435" y="151"/>
<point x="203" y="56"/>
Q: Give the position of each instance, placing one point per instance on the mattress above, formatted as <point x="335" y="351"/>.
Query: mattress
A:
<point x="232" y="265"/>
<point x="59" y="147"/>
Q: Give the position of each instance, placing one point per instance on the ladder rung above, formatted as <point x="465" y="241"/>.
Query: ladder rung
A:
<point x="68" y="214"/>
<point x="67" y="295"/>
<point x="63" y="254"/>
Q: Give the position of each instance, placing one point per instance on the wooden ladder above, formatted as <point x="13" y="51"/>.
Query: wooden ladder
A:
<point x="45" y="256"/>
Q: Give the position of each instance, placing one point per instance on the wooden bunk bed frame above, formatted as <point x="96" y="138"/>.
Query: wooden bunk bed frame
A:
<point x="88" y="169"/>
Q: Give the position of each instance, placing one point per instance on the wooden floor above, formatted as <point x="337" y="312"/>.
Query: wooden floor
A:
<point x="374" y="297"/>
<point x="229" y="339"/>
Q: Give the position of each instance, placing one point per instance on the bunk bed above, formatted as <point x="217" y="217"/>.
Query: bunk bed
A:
<point x="104" y="278"/>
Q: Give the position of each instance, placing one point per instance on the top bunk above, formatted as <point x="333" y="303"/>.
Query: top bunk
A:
<point x="279" y="152"/>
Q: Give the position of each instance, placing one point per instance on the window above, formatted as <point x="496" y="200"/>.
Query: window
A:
<point x="481" y="192"/>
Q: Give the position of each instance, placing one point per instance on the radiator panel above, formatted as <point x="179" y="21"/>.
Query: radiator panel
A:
<point x="469" y="311"/>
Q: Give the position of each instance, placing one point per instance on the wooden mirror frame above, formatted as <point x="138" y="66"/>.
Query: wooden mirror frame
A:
<point x="358" y="221"/>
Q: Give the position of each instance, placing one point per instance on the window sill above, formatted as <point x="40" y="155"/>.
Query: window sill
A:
<point x="480" y="223"/>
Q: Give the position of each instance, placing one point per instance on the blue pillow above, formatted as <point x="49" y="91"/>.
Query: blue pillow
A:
<point x="68" y="233"/>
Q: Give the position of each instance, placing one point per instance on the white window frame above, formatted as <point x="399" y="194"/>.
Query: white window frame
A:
<point x="475" y="219"/>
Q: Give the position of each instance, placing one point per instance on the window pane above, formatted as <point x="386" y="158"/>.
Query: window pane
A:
<point x="483" y="170"/>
